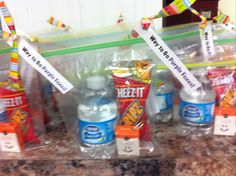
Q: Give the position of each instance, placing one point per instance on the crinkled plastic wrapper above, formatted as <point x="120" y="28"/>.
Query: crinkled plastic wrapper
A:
<point x="79" y="56"/>
<point x="224" y="82"/>
<point x="78" y="67"/>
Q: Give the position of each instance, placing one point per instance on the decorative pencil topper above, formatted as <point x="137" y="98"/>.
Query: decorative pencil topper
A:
<point x="174" y="8"/>
<point x="120" y="19"/>
<point x="146" y="22"/>
<point x="55" y="22"/>
<point x="14" y="73"/>
<point x="121" y="22"/>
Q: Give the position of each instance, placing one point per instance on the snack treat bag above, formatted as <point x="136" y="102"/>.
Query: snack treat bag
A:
<point x="224" y="82"/>
<point x="13" y="92"/>
<point x="132" y="83"/>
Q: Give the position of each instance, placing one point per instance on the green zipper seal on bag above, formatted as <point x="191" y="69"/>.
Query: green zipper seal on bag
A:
<point x="137" y="41"/>
<point x="225" y="41"/>
<point x="106" y="45"/>
<point x="112" y="44"/>
<point x="5" y="50"/>
<point x="205" y="64"/>
<point x="118" y="43"/>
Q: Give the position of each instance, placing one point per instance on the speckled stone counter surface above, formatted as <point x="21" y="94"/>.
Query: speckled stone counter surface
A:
<point x="174" y="155"/>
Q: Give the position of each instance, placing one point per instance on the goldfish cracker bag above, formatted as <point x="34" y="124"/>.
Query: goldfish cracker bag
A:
<point x="132" y="84"/>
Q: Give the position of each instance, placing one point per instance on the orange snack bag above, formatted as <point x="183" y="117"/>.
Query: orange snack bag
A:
<point x="132" y="83"/>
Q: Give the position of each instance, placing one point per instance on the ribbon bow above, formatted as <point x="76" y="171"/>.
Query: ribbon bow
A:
<point x="55" y="22"/>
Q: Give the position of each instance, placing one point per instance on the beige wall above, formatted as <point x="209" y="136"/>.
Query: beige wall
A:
<point x="228" y="8"/>
<point x="31" y="15"/>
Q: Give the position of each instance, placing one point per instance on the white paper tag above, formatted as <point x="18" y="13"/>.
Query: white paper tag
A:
<point x="128" y="146"/>
<point x="43" y="66"/>
<point x="9" y="142"/>
<point x="208" y="46"/>
<point x="225" y="125"/>
<point x="169" y="58"/>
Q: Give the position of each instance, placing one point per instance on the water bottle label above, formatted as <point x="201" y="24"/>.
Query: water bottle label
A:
<point x="165" y="101"/>
<point x="97" y="132"/>
<point x="3" y="116"/>
<point x="197" y="113"/>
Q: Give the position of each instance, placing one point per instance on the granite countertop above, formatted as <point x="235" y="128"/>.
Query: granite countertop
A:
<point x="174" y="155"/>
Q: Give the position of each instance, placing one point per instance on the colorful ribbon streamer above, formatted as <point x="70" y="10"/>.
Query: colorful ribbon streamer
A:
<point x="14" y="72"/>
<point x="55" y="22"/>
<point x="174" y="8"/>
<point x="222" y="18"/>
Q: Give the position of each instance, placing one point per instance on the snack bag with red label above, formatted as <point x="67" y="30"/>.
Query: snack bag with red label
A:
<point x="132" y="83"/>
<point x="224" y="82"/>
<point x="18" y="111"/>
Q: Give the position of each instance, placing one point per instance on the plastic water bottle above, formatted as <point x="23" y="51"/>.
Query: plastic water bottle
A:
<point x="197" y="107"/>
<point x="97" y="114"/>
<point x="3" y="112"/>
<point x="164" y="96"/>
